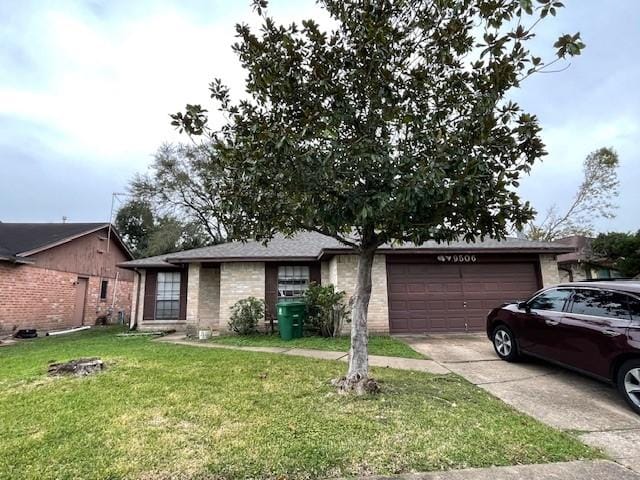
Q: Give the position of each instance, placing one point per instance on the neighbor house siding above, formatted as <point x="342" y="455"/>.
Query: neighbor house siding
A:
<point x="549" y="270"/>
<point x="239" y="280"/>
<point x="90" y="255"/>
<point x="342" y="273"/>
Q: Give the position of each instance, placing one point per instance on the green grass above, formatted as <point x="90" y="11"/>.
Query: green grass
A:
<point x="378" y="344"/>
<point x="165" y="411"/>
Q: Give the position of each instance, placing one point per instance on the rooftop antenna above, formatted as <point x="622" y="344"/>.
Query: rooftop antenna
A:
<point x="114" y="196"/>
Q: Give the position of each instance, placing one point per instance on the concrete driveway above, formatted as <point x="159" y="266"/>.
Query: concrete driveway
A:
<point x="554" y="396"/>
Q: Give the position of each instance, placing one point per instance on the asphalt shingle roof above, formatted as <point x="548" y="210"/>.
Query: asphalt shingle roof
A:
<point x="310" y="245"/>
<point x="17" y="238"/>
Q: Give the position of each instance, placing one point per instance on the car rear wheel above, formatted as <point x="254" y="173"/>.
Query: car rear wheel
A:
<point x="504" y="343"/>
<point x="629" y="383"/>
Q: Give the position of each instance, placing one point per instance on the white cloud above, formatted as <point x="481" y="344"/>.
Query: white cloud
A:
<point x="111" y="86"/>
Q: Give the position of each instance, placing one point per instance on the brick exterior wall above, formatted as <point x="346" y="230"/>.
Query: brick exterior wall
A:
<point x="578" y="272"/>
<point x="209" y="311"/>
<point x="237" y="281"/>
<point x="193" y="293"/>
<point x="203" y="296"/>
<point x="44" y="299"/>
<point x="549" y="270"/>
<point x="342" y="273"/>
<point x="140" y="299"/>
<point x="324" y="273"/>
<point x="95" y="307"/>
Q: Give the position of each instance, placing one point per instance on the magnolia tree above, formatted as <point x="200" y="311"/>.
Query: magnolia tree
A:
<point x="392" y="126"/>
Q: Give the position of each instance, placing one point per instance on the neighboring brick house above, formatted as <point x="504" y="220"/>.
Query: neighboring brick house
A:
<point x="59" y="275"/>
<point x="581" y="264"/>
<point x="416" y="289"/>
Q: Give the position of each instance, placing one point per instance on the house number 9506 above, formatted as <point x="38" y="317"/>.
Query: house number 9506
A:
<point x="457" y="258"/>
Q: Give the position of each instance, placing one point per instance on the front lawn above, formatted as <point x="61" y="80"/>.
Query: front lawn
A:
<point x="165" y="411"/>
<point x="378" y="344"/>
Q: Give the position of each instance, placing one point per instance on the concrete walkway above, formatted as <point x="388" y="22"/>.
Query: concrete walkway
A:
<point x="595" y="470"/>
<point x="553" y="395"/>
<point x="428" y="366"/>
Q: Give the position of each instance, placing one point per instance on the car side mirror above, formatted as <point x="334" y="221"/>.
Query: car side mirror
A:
<point x="524" y="306"/>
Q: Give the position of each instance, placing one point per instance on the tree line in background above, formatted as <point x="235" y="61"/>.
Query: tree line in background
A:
<point x="174" y="206"/>
<point x="621" y="248"/>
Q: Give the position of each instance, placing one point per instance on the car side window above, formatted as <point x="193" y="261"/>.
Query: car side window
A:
<point x="600" y="303"/>
<point x="553" y="300"/>
<point x="634" y="309"/>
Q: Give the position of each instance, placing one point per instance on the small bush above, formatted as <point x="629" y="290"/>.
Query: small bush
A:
<point x="246" y="314"/>
<point x="327" y="310"/>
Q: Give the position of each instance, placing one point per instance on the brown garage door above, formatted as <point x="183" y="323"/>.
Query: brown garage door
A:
<point x="427" y="297"/>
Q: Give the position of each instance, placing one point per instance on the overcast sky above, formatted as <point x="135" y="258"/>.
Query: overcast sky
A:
<point x="86" y="88"/>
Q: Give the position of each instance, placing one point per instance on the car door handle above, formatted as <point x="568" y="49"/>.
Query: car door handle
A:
<point x="611" y="333"/>
<point x="551" y="323"/>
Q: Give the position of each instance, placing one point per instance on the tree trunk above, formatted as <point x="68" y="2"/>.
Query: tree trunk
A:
<point x="357" y="379"/>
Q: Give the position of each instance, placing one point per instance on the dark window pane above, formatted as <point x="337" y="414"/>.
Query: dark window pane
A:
<point x="168" y="296"/>
<point x="634" y="307"/>
<point x="293" y="281"/>
<point x="600" y="304"/>
<point x="550" y="300"/>
<point x="167" y="309"/>
<point x="103" y="289"/>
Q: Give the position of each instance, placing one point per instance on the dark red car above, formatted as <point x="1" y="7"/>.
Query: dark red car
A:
<point x="592" y="327"/>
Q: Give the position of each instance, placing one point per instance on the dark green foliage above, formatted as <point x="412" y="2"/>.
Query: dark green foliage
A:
<point x="394" y="126"/>
<point x="246" y="314"/>
<point x="183" y="184"/>
<point x="135" y="222"/>
<point x="622" y="248"/>
<point x="327" y="310"/>
<point x="148" y="234"/>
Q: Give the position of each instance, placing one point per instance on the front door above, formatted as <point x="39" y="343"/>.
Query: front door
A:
<point x="81" y="295"/>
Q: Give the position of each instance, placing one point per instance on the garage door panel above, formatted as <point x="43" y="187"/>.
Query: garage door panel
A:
<point x="417" y="325"/>
<point x="397" y="288"/>
<point x="417" y="305"/>
<point x="427" y="297"/>
<point x="415" y="288"/>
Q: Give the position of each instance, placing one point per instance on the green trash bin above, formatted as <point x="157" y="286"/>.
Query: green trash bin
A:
<point x="291" y="316"/>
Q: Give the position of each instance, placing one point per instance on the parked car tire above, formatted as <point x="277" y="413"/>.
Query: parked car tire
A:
<point x="505" y="344"/>
<point x="628" y="383"/>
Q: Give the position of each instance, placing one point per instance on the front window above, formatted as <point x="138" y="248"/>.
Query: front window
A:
<point x="600" y="303"/>
<point x="634" y="309"/>
<point x="293" y="281"/>
<point x="552" y="300"/>
<point x="168" y="296"/>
